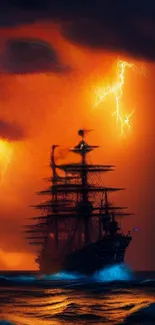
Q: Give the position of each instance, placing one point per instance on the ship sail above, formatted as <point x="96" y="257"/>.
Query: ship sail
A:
<point x="78" y="212"/>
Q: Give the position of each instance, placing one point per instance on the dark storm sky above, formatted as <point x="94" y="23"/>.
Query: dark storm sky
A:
<point x="47" y="47"/>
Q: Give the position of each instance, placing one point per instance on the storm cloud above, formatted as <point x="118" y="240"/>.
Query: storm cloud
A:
<point x="123" y="26"/>
<point x="11" y="131"/>
<point x="132" y="37"/>
<point x="28" y="55"/>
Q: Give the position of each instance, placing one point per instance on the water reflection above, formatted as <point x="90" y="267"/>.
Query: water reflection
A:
<point x="94" y="303"/>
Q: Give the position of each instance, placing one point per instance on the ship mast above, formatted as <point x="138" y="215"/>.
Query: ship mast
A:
<point x="85" y="186"/>
<point x="54" y="193"/>
<point x="83" y="149"/>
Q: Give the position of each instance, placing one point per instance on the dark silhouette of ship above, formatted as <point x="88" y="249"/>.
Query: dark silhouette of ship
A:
<point x="78" y="230"/>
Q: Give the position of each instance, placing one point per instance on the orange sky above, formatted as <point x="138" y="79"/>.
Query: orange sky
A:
<point x="51" y="107"/>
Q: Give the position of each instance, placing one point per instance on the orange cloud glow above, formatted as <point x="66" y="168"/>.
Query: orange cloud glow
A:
<point x="14" y="260"/>
<point x="51" y="107"/>
<point x="6" y="152"/>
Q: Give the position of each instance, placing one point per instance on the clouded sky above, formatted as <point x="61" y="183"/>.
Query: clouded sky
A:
<point x="52" y="56"/>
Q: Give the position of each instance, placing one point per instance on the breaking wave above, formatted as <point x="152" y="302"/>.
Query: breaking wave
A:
<point x="114" y="273"/>
<point x="109" y="274"/>
<point x="120" y="274"/>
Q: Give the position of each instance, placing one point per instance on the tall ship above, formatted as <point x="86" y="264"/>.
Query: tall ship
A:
<point x="78" y="229"/>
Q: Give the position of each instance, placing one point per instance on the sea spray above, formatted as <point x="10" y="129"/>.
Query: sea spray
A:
<point x="118" y="272"/>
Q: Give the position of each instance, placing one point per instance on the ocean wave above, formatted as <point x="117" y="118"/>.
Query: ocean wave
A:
<point x="148" y="281"/>
<point x="144" y="315"/>
<point x="114" y="273"/>
<point x="109" y="274"/>
<point x="5" y="322"/>
<point x="62" y="276"/>
<point x="20" y="278"/>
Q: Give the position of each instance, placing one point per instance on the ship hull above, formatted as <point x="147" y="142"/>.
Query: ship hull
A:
<point x="110" y="250"/>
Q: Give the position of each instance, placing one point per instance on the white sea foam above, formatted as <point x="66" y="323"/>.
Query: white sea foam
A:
<point x="118" y="272"/>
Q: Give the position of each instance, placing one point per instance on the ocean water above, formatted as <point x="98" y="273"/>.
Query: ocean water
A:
<point x="112" y="296"/>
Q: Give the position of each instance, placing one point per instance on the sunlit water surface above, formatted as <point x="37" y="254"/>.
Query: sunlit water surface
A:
<point x="113" y="296"/>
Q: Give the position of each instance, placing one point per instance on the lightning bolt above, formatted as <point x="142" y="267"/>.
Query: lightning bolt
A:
<point x="5" y="158"/>
<point x="117" y="91"/>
